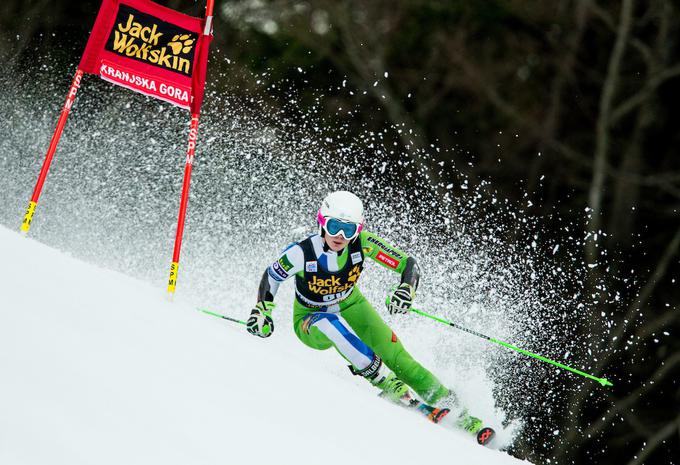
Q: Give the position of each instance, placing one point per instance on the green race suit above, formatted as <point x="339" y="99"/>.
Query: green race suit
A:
<point x="330" y="311"/>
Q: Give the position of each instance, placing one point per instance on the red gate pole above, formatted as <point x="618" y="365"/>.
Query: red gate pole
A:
<point x="70" y="98"/>
<point x="188" y="165"/>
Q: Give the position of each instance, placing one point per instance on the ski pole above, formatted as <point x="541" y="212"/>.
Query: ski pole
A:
<point x="222" y="316"/>
<point x="602" y="381"/>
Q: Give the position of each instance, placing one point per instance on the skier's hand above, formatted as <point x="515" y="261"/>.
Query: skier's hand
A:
<point x="401" y="299"/>
<point x="260" y="322"/>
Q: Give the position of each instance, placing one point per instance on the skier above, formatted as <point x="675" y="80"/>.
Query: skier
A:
<point x="330" y="311"/>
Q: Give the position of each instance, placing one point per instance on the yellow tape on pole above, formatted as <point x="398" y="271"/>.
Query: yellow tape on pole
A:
<point x="28" y="217"/>
<point x="172" y="281"/>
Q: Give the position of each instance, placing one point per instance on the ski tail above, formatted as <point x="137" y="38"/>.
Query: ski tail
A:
<point x="434" y="414"/>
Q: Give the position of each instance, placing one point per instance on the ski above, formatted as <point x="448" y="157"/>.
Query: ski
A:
<point x="440" y="416"/>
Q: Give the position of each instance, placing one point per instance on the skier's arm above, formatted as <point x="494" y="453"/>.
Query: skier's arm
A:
<point x="381" y="251"/>
<point x="291" y="261"/>
<point x="288" y="264"/>
<point x="411" y="273"/>
<point x="392" y="258"/>
<point x="268" y="288"/>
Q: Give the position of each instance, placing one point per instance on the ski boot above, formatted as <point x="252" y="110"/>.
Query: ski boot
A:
<point x="462" y="419"/>
<point x="392" y="387"/>
<point x="383" y="378"/>
<point x="408" y="400"/>
<point x="467" y="422"/>
<point x="475" y="426"/>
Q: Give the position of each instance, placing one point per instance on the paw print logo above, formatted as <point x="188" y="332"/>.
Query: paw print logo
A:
<point x="354" y="274"/>
<point x="181" y="43"/>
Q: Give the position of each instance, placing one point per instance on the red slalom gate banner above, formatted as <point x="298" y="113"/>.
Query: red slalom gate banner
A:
<point x="150" y="49"/>
<point x="154" y="50"/>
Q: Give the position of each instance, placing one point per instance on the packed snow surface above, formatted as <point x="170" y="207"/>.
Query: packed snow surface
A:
<point x="100" y="368"/>
<point x="111" y="200"/>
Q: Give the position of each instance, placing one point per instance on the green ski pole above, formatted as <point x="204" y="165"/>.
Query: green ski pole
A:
<point x="602" y="381"/>
<point x="222" y="316"/>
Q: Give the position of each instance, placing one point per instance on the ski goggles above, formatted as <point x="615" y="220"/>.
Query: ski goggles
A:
<point x="334" y="226"/>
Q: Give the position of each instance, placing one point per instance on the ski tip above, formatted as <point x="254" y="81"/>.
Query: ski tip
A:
<point x="485" y="435"/>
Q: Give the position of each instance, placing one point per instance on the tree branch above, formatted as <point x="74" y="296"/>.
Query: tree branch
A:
<point x="656" y="440"/>
<point x="578" y="399"/>
<point x="609" y="90"/>
<point x="652" y="327"/>
<point x="637" y="44"/>
<point x="370" y="67"/>
<point x="645" y="294"/>
<point x="650" y="86"/>
<point x="619" y="406"/>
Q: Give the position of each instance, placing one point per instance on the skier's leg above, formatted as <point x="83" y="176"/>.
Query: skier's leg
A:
<point x="370" y="327"/>
<point x="324" y="330"/>
<point x="320" y="330"/>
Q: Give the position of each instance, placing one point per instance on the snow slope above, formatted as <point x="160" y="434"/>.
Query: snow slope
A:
<point x="99" y="368"/>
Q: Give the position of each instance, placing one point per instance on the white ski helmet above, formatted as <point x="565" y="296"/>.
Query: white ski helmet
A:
<point x="344" y="206"/>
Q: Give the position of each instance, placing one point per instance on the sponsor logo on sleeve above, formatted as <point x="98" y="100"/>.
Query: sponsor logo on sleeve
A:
<point x="386" y="248"/>
<point x="285" y="263"/>
<point x="279" y="273"/>
<point x="311" y="267"/>
<point x="356" y="258"/>
<point x="387" y="260"/>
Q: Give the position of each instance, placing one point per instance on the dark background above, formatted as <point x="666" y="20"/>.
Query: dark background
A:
<point x="578" y="98"/>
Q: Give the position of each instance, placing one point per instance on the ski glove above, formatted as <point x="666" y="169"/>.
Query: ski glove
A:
<point x="260" y="322"/>
<point x="401" y="299"/>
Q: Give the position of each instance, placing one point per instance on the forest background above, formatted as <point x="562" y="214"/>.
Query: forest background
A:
<point x="564" y="107"/>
